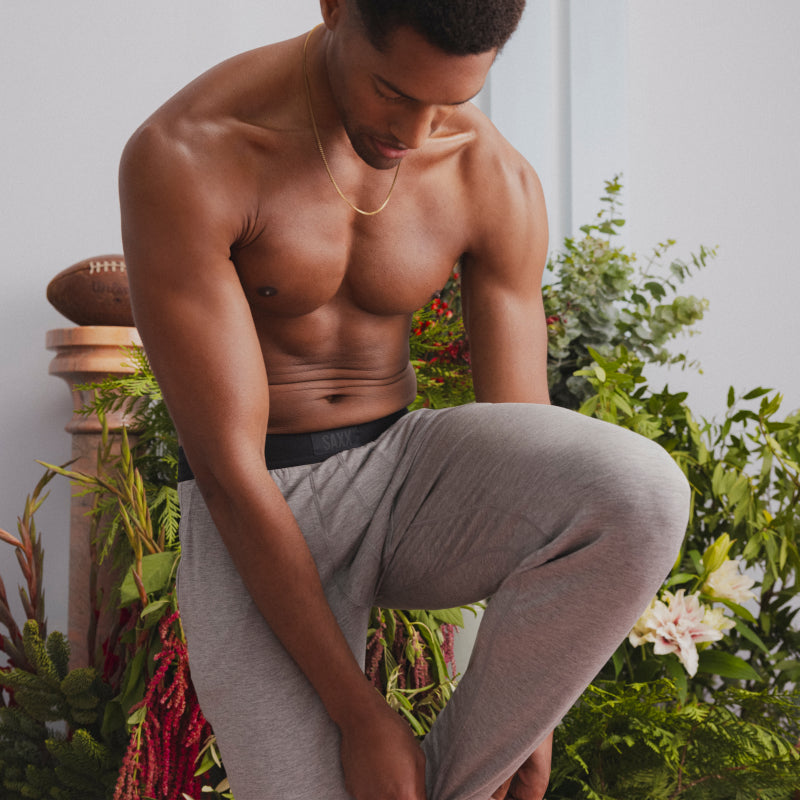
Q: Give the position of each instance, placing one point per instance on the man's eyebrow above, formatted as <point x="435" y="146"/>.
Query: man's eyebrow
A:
<point x="392" y="88"/>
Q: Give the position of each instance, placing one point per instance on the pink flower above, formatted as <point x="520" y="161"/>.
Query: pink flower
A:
<point x="676" y="626"/>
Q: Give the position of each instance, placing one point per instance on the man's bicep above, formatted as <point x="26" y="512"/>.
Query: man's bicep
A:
<point x="503" y="308"/>
<point x="508" y="344"/>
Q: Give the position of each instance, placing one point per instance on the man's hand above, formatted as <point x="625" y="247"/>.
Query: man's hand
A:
<point x="531" y="779"/>
<point x="381" y="758"/>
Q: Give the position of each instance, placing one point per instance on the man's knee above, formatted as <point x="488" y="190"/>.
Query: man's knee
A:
<point x="652" y="499"/>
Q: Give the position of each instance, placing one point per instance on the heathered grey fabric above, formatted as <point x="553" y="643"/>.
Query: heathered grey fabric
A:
<point x="567" y="523"/>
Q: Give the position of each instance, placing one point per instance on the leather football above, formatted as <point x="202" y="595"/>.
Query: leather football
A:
<point x="93" y="292"/>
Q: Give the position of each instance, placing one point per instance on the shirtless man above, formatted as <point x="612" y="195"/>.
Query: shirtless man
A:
<point x="274" y="309"/>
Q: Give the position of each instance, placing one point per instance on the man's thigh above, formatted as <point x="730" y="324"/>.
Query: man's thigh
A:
<point x="491" y="487"/>
<point x="276" y="739"/>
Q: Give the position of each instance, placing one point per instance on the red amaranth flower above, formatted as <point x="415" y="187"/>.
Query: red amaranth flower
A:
<point x="421" y="671"/>
<point x="448" y="650"/>
<point x="375" y="648"/>
<point x="164" y="746"/>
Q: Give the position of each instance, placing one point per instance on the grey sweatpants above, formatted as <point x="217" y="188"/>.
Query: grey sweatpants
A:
<point x="567" y="523"/>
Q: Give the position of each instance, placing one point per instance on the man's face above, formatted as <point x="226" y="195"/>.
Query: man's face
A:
<point x="392" y="101"/>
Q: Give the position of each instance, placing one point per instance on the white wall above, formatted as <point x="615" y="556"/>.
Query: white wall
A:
<point x="697" y="105"/>
<point x="78" y="78"/>
<point x="695" y="102"/>
<point x="558" y="93"/>
<point x="714" y="116"/>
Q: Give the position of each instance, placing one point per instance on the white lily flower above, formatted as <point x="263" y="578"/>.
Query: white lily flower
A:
<point x="677" y="626"/>
<point x="644" y="628"/>
<point x="728" y="583"/>
<point x="716" y="618"/>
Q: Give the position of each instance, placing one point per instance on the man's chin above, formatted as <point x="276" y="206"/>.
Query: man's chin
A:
<point x="376" y="155"/>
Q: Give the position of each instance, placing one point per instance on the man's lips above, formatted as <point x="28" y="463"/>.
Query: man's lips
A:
<point x="389" y="151"/>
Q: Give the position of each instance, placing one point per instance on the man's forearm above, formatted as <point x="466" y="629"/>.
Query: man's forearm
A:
<point x="273" y="559"/>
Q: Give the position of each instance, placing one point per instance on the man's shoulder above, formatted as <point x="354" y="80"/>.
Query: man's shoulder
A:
<point x="236" y="98"/>
<point x="167" y="151"/>
<point x="505" y="190"/>
<point x="202" y="135"/>
<point x="497" y="157"/>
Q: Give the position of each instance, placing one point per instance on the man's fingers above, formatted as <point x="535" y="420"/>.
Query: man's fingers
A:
<point x="531" y="779"/>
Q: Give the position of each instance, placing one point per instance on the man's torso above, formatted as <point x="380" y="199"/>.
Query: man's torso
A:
<point x="331" y="292"/>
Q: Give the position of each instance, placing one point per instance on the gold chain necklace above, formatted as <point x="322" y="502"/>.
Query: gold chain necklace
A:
<point x="322" y="152"/>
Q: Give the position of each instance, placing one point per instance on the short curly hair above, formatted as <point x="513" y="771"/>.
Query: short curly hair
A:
<point x="458" y="27"/>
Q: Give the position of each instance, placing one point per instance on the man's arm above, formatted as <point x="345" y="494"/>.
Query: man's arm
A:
<point x="504" y="316"/>
<point x="198" y="331"/>
<point x="502" y="291"/>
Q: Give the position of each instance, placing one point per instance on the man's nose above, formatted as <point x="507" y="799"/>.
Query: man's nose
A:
<point x="415" y="126"/>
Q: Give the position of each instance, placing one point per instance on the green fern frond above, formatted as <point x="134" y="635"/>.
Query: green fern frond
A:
<point x="638" y="742"/>
<point x="166" y="513"/>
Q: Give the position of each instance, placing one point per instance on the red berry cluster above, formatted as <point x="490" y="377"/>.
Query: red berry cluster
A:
<point x="440" y="308"/>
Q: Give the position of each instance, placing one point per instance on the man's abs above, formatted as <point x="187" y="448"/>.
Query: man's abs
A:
<point x="338" y="365"/>
<point x="330" y="400"/>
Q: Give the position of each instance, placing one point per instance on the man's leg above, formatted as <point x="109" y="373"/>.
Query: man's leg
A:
<point x="276" y="738"/>
<point x="568" y="524"/>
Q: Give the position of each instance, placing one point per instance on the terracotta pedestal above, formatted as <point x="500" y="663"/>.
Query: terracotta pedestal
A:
<point x="86" y="354"/>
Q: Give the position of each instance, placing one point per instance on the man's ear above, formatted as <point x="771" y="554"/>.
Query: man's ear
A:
<point x="333" y="11"/>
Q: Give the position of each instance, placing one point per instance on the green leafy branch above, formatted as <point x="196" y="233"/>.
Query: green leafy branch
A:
<point x="119" y="484"/>
<point x="599" y="297"/>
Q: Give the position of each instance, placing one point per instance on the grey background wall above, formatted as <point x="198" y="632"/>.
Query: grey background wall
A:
<point x="695" y="103"/>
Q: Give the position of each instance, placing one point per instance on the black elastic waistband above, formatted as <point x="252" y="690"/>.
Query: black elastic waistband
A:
<point x="295" y="449"/>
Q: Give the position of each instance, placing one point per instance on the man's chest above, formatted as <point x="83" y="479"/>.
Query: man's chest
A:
<point x="306" y="255"/>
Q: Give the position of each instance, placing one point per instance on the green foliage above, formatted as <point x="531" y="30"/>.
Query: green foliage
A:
<point x="440" y="355"/>
<point x="745" y="482"/>
<point x="139" y="396"/>
<point x="51" y="743"/>
<point x="36" y="761"/>
<point x="30" y="557"/>
<point x="153" y="448"/>
<point x="637" y="741"/>
<point x="410" y="660"/>
<point x="600" y="296"/>
<point x="125" y="507"/>
<point x="157" y="579"/>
